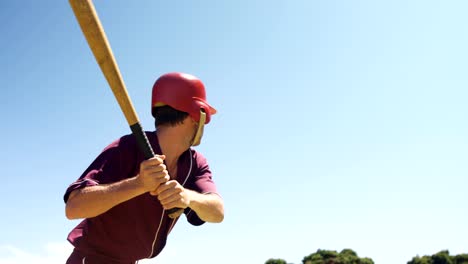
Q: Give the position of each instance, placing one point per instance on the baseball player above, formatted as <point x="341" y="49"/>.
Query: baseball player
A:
<point x="125" y="200"/>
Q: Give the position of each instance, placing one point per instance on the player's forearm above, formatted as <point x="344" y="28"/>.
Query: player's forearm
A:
<point x="209" y="207"/>
<point x="94" y="200"/>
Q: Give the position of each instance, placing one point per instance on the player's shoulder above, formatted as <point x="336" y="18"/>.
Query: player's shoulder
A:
<point x="125" y="142"/>
<point x="198" y="156"/>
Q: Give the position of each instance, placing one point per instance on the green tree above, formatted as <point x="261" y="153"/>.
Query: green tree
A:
<point x="420" y="260"/>
<point x="276" y="261"/>
<point x="442" y="257"/>
<point x="461" y="259"/>
<point x="346" y="256"/>
<point x="348" y="252"/>
<point x="366" y="261"/>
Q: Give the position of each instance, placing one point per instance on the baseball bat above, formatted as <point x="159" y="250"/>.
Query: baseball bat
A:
<point x="94" y="33"/>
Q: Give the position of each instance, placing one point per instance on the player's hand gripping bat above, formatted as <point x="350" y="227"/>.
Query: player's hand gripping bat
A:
<point x="92" y="29"/>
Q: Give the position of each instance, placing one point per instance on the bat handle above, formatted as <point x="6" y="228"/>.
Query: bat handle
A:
<point x="145" y="147"/>
<point x="175" y="212"/>
<point x="142" y="140"/>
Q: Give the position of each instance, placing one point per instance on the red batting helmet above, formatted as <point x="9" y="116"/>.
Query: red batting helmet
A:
<point x="183" y="92"/>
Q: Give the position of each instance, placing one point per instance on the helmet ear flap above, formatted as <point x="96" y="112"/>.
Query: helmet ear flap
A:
<point x="201" y="124"/>
<point x="207" y="115"/>
<point x="203" y="116"/>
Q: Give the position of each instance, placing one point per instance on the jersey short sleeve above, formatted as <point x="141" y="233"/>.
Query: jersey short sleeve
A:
<point x="202" y="182"/>
<point x="113" y="164"/>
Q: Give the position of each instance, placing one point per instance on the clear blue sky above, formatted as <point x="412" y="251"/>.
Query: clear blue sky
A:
<point x="342" y="124"/>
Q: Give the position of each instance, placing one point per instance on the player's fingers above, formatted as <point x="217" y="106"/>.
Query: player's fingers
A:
<point x="169" y="200"/>
<point x="159" y="178"/>
<point x="156" y="160"/>
<point x="167" y="188"/>
<point x="155" y="168"/>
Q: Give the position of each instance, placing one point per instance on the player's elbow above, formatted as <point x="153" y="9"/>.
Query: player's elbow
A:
<point x="70" y="212"/>
<point x="75" y="208"/>
<point x="217" y="215"/>
<point x="219" y="218"/>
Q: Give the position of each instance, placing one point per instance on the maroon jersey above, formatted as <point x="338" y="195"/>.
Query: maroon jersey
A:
<point x="138" y="228"/>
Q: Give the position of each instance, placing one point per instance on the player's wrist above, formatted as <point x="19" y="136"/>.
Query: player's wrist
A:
<point x="192" y="198"/>
<point x="138" y="184"/>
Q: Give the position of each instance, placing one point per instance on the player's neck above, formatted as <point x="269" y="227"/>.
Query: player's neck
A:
<point x="172" y="142"/>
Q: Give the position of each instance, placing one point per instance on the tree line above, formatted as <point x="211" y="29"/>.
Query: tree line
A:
<point x="348" y="256"/>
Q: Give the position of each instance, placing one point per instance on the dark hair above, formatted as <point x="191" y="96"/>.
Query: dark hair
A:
<point x="166" y="115"/>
